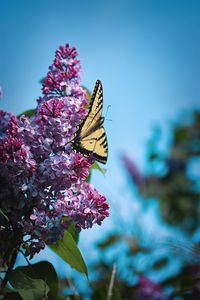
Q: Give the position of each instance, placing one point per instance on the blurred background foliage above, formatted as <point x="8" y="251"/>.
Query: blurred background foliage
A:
<point x="131" y="263"/>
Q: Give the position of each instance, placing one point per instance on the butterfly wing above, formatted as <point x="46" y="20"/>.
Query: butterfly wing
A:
<point x="95" y="144"/>
<point x="91" y="136"/>
<point x="94" y="118"/>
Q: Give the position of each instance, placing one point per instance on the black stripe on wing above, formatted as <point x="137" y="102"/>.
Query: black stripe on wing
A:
<point x="97" y="86"/>
<point x="100" y="121"/>
<point x="100" y="158"/>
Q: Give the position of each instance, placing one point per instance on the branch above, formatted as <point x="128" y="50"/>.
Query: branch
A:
<point x="111" y="285"/>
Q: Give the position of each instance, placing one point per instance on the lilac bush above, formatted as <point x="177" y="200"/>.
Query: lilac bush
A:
<point x="43" y="180"/>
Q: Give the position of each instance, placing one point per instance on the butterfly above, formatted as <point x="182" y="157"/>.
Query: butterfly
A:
<point x="90" y="138"/>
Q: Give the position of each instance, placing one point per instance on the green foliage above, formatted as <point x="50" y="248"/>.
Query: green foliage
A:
<point x="35" y="281"/>
<point x="96" y="166"/>
<point x="170" y="183"/>
<point x="175" y="190"/>
<point x="28" y="113"/>
<point x="67" y="249"/>
<point x="3" y="215"/>
<point x="72" y="230"/>
<point x="109" y="241"/>
<point x="11" y="296"/>
<point x="186" y="283"/>
<point x="101" y="293"/>
<point x="178" y="196"/>
<point x="27" y="287"/>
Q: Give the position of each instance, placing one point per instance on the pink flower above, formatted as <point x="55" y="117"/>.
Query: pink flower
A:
<point x="48" y="177"/>
<point x="63" y="72"/>
<point x="148" y="290"/>
<point x="15" y="156"/>
<point x="8" y="124"/>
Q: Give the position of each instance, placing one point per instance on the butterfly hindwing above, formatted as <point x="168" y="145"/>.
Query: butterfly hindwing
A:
<point x="96" y="144"/>
<point x="91" y="137"/>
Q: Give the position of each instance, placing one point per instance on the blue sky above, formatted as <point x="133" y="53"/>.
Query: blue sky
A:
<point x="146" y="53"/>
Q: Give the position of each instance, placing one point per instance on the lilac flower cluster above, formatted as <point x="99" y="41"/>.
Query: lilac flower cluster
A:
<point x="133" y="171"/>
<point x="148" y="290"/>
<point x="42" y="179"/>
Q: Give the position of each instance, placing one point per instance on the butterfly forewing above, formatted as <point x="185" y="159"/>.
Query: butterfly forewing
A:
<point x="91" y="137"/>
<point x="95" y="111"/>
<point x="96" y="106"/>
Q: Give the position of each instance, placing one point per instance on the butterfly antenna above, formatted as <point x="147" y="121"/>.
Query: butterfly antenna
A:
<point x="107" y="113"/>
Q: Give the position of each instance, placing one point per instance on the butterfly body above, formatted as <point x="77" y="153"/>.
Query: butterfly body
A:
<point x="90" y="138"/>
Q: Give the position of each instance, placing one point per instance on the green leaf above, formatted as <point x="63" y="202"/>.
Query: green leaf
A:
<point x="89" y="177"/>
<point x="109" y="241"/>
<point x="101" y="293"/>
<point x="11" y="296"/>
<point x="96" y="166"/>
<point x="67" y="249"/>
<point x="28" y="288"/>
<point x="72" y="230"/>
<point x="28" y="113"/>
<point x="45" y="271"/>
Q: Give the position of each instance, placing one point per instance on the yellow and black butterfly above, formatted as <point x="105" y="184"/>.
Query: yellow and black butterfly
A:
<point x="90" y="138"/>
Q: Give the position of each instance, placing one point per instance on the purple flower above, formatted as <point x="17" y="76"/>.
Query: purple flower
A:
<point x="132" y="169"/>
<point x="84" y="205"/>
<point x="15" y="156"/>
<point x="63" y="75"/>
<point x="48" y="177"/>
<point x="148" y="290"/>
<point x="8" y="124"/>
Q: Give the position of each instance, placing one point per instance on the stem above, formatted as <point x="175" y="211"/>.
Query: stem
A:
<point x="111" y="285"/>
<point x="12" y="254"/>
<point x="10" y="267"/>
<point x="72" y="287"/>
<point x="28" y="262"/>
